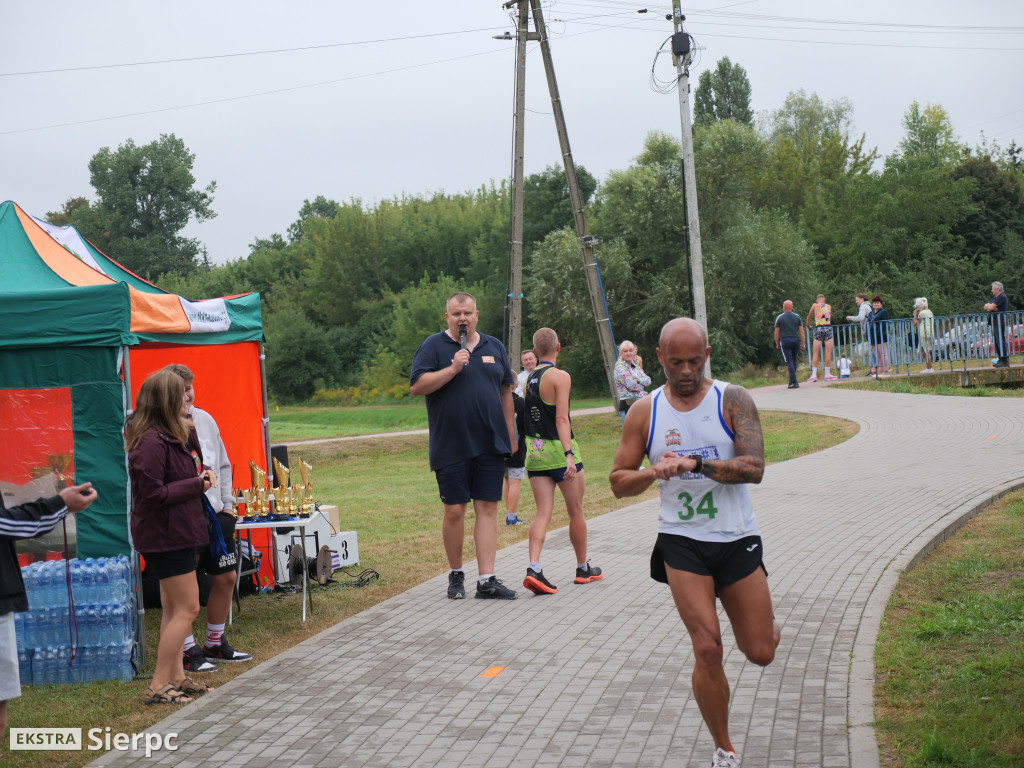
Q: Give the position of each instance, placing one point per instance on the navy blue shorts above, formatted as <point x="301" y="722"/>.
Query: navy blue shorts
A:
<point x="478" y="479"/>
<point x="177" y="562"/>
<point x="724" y="561"/>
<point x="558" y="475"/>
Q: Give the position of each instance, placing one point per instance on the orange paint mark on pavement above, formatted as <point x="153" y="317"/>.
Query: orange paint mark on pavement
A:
<point x="491" y="672"/>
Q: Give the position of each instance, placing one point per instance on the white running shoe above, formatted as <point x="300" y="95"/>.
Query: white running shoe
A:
<point x="830" y="377"/>
<point x="723" y="759"/>
<point x="813" y="377"/>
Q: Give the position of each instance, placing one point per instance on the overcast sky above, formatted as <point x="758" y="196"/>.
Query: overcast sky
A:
<point x="281" y="102"/>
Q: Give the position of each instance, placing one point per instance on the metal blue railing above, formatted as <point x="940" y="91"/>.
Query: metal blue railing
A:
<point x="955" y="340"/>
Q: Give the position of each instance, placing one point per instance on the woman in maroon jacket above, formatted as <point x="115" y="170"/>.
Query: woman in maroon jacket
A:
<point x="168" y="522"/>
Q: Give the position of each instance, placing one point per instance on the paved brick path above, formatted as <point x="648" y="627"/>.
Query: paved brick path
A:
<point x="599" y="674"/>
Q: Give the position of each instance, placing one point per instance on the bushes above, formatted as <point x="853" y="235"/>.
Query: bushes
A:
<point x="360" y="396"/>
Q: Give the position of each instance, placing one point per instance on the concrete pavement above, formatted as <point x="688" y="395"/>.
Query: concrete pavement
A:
<point x="599" y="674"/>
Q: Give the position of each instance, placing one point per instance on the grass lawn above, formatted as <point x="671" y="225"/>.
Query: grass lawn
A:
<point x="304" y="422"/>
<point x="949" y="661"/>
<point x="387" y="494"/>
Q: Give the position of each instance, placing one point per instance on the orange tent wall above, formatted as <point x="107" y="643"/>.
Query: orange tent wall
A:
<point x="229" y="386"/>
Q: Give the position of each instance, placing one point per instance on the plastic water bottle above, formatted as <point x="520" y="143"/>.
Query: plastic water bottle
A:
<point x="124" y="633"/>
<point x="31" y="578"/>
<point x="102" y="633"/>
<point x="124" y="666"/>
<point x="103" y="580"/>
<point x="25" y="666"/>
<point x="44" y="626"/>
<point x="105" y="657"/>
<point x="19" y="630"/>
<point x="61" y="624"/>
<point x="29" y="628"/>
<point x="42" y="665"/>
<point x="61" y="671"/>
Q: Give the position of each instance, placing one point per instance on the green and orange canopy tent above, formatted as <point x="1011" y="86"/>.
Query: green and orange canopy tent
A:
<point x="78" y="335"/>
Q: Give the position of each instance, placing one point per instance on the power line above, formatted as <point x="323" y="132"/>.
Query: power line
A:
<point x="987" y="48"/>
<point x="246" y="96"/>
<point x="243" y="54"/>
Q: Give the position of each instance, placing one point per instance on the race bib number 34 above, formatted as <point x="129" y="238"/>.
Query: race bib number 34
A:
<point x="706" y="506"/>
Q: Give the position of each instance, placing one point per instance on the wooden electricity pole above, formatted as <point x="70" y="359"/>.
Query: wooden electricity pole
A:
<point x="515" y="318"/>
<point x="681" y="57"/>
<point x="587" y="242"/>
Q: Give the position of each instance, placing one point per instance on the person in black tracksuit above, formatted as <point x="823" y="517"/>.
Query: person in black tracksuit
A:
<point x="25" y="521"/>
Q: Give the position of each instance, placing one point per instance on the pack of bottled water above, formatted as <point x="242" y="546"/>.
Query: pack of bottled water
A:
<point x="88" y="638"/>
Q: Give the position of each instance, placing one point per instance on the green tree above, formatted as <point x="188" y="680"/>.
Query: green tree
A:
<point x="300" y="356"/>
<point x="803" y="118"/>
<point x="730" y="160"/>
<point x="929" y="134"/>
<point x="546" y="205"/>
<point x="321" y="207"/>
<point x="557" y="285"/>
<point x="147" y="195"/>
<point x="809" y="149"/>
<point x="723" y="95"/>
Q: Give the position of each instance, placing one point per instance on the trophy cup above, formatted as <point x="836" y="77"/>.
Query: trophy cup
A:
<point x="306" y="503"/>
<point x="281" y="489"/>
<point x="259" y="484"/>
<point x="60" y="463"/>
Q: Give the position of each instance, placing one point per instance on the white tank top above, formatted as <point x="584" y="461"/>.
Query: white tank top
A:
<point x="694" y="505"/>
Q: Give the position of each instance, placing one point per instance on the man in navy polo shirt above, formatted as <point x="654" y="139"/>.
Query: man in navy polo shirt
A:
<point x="467" y="380"/>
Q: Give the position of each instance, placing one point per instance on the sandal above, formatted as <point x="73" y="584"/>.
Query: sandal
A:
<point x="189" y="687"/>
<point x="166" y="695"/>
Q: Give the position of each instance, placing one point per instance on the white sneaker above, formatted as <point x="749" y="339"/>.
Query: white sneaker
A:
<point x="830" y="377"/>
<point x="814" y="376"/>
<point x="723" y="759"/>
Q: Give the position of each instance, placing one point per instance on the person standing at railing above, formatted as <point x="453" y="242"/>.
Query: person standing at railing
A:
<point x="820" y="318"/>
<point x="878" y="334"/>
<point x="997" y="309"/>
<point x="924" y="324"/>
<point x="863" y="313"/>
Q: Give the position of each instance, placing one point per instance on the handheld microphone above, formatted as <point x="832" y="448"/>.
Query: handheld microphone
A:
<point x="462" y="336"/>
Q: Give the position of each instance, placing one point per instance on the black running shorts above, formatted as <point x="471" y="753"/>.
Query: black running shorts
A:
<point x="725" y="562"/>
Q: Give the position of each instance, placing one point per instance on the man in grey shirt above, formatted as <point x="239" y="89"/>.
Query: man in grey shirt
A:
<point x="788" y="338"/>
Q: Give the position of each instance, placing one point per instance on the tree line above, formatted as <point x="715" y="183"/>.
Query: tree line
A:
<point x="791" y="204"/>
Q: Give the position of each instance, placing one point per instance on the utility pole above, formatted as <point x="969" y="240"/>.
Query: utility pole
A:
<point x="681" y="58"/>
<point x="515" y="320"/>
<point x="587" y="242"/>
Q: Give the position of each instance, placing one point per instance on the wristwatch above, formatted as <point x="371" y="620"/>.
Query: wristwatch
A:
<point x="570" y="452"/>
<point x="700" y="462"/>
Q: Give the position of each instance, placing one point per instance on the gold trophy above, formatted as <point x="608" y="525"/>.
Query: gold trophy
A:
<point x="259" y="484"/>
<point x="281" y="489"/>
<point x="60" y="463"/>
<point x="306" y="504"/>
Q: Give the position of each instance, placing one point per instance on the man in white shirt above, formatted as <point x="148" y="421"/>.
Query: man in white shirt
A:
<point x="529" y="363"/>
<point x="222" y="574"/>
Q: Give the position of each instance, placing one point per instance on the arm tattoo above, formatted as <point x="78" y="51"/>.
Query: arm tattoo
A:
<point x="747" y="466"/>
